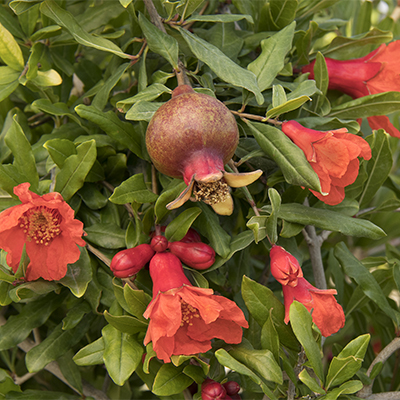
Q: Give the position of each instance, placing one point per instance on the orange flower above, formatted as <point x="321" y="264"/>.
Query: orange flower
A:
<point x="377" y="72"/>
<point x="184" y="318"/>
<point x="46" y="226"/>
<point x="327" y="314"/>
<point x="332" y="155"/>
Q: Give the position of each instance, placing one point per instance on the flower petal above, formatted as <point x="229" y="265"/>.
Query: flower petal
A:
<point x="241" y="179"/>
<point x="224" y="207"/>
<point x="183" y="197"/>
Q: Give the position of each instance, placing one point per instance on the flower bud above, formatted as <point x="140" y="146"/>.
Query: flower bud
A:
<point x="231" y="387"/>
<point x="159" y="243"/>
<point x="212" y="390"/>
<point x="191" y="237"/>
<point x="196" y="255"/>
<point x="130" y="261"/>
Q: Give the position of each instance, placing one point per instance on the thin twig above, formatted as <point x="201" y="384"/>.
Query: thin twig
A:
<point x="98" y="254"/>
<point x="154" y="16"/>
<point x="384" y="354"/>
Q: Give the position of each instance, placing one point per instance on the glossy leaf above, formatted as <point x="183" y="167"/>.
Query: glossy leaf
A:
<point x="286" y="154"/>
<point x="122" y="354"/>
<point x="91" y="354"/>
<point x="65" y="19"/>
<point x="178" y="228"/>
<point x="170" y="380"/>
<point x="108" y="235"/>
<point x="301" y="322"/>
<point x="223" y="66"/>
<point x="10" y="52"/>
<point x="126" y="323"/>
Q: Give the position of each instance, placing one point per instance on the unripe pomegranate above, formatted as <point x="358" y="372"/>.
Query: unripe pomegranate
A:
<point x="231" y="388"/>
<point x="130" y="261"/>
<point x="196" y="255"/>
<point x="212" y="390"/>
<point x="192" y="136"/>
<point x="159" y="243"/>
<point x="191" y="236"/>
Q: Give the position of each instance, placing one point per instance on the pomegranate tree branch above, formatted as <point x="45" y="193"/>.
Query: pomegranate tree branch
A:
<point x="154" y="16"/>
<point x="384" y="354"/>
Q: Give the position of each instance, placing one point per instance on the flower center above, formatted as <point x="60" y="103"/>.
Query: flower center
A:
<point x="188" y="313"/>
<point x="41" y="224"/>
<point x="211" y="192"/>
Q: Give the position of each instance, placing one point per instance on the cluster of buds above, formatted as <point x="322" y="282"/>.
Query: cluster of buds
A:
<point x="212" y="390"/>
<point x="190" y="250"/>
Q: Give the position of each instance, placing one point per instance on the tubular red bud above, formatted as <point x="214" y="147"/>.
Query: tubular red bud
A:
<point x="231" y="387"/>
<point x="196" y="255"/>
<point x="212" y="390"/>
<point x="191" y="237"/>
<point x="159" y="243"/>
<point x="130" y="261"/>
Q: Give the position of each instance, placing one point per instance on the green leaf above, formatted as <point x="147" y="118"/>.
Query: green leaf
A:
<point x="159" y="42"/>
<point x="55" y="345"/>
<point x="223" y="66"/>
<point x="290" y="158"/>
<point x="208" y="224"/>
<point x="170" y="193"/>
<point x="290" y="105"/>
<point x="126" y="323"/>
<point x="270" y="338"/>
<point x="301" y="322"/>
<point x="344" y="48"/>
<point x="271" y="60"/>
<point x="272" y="221"/>
<point x="347" y="362"/>
<point x="378" y="167"/>
<point x="108" y="235"/>
<point x="258" y="225"/>
<point x="137" y="301"/>
<point x="133" y="189"/>
<point x="312" y="383"/>
<point x="101" y="98"/>
<point x="24" y="160"/>
<point x="328" y="220"/>
<point x="59" y="109"/>
<point x="178" y="227"/>
<point x="278" y="14"/>
<point x="368" y="106"/>
<point x="92" y="354"/>
<point x="70" y="370"/>
<point x="122" y="132"/>
<point x="33" y="315"/>
<point x="72" y="176"/>
<point x="7" y="88"/>
<point x="228" y="361"/>
<point x="65" y="19"/>
<point x="60" y="150"/>
<point x="348" y="387"/>
<point x="260" y="361"/>
<point x="261" y="302"/>
<point x="357" y="271"/>
<point x="224" y="18"/>
<point x="142" y="111"/>
<point x="79" y="274"/>
<point x="170" y="380"/>
<point x="10" y="52"/>
<point x="122" y="354"/>
<point x="150" y="93"/>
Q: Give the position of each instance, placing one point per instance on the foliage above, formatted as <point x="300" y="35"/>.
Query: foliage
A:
<point x="79" y="82"/>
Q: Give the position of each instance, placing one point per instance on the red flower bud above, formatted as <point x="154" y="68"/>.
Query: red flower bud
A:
<point x="191" y="237"/>
<point x="212" y="390"/>
<point x="196" y="255"/>
<point x="231" y="387"/>
<point x="130" y="261"/>
<point x="159" y="243"/>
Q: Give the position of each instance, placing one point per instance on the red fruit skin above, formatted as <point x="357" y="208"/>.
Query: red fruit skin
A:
<point x="212" y="390"/>
<point x="231" y="387"/>
<point x="130" y="261"/>
<point x="188" y="123"/>
<point x="159" y="243"/>
<point x="196" y="255"/>
<point x="191" y="237"/>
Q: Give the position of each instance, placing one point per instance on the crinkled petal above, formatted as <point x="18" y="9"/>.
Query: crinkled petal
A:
<point x="349" y="177"/>
<point x="383" y="122"/>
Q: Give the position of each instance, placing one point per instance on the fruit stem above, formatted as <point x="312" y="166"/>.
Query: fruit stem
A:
<point x="181" y="76"/>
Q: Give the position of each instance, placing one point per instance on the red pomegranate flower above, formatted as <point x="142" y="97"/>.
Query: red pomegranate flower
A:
<point x="333" y="155"/>
<point x="377" y="72"/>
<point x="46" y="226"/>
<point x="184" y="318"/>
<point x="327" y="314"/>
<point x="192" y="136"/>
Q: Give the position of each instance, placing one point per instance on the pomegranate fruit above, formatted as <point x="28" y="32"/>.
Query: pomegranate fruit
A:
<point x="192" y="136"/>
